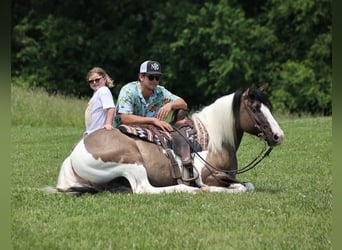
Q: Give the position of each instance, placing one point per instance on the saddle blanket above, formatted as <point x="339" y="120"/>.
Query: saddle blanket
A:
<point x="146" y="134"/>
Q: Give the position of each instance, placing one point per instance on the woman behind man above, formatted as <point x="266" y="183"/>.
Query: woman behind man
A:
<point x="101" y="108"/>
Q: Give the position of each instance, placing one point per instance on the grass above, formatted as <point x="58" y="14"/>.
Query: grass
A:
<point x="35" y="107"/>
<point x="291" y="207"/>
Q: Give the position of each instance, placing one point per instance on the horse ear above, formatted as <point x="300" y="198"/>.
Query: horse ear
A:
<point x="246" y="93"/>
<point x="263" y="87"/>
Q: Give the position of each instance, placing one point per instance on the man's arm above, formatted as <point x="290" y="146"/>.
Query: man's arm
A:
<point x="135" y="119"/>
<point x="164" y="111"/>
<point x="179" y="103"/>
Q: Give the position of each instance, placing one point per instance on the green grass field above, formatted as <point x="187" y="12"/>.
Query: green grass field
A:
<point x="291" y="207"/>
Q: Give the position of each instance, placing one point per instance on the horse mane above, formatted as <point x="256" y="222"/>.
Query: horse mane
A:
<point x="258" y="95"/>
<point x="219" y="121"/>
<point x="219" y="117"/>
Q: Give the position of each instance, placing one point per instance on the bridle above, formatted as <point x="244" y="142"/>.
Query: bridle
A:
<point x="264" y="152"/>
<point x="262" y="135"/>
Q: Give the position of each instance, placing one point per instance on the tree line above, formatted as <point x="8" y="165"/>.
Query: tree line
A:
<point x="206" y="48"/>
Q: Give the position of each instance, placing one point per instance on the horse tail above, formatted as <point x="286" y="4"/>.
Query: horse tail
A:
<point x="82" y="190"/>
<point x="72" y="190"/>
<point x="118" y="185"/>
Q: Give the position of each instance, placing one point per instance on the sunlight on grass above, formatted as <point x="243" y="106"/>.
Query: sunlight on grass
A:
<point x="37" y="108"/>
<point x="291" y="207"/>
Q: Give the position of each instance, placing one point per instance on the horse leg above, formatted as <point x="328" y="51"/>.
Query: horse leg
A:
<point x="159" y="170"/>
<point x="134" y="173"/>
<point x="233" y="188"/>
<point x="137" y="177"/>
<point x="67" y="177"/>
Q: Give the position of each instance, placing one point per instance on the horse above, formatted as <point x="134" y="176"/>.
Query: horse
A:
<point x="109" y="160"/>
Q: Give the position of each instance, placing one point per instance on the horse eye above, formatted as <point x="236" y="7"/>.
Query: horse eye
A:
<point x="257" y="107"/>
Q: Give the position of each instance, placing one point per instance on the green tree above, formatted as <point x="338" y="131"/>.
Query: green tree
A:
<point x="302" y="81"/>
<point x="206" y="48"/>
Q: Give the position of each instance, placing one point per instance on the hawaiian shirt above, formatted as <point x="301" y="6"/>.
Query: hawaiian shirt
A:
<point x="131" y="101"/>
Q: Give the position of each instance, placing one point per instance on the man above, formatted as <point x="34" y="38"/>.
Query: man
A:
<point x="145" y="101"/>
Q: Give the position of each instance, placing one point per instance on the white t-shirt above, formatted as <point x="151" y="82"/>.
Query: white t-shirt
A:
<point x="96" y="112"/>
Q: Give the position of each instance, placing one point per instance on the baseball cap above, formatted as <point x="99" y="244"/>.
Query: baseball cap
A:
<point x="150" y="67"/>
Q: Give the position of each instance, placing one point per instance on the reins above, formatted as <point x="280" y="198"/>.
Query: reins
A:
<point x="248" y="167"/>
<point x="256" y="161"/>
<point x="264" y="152"/>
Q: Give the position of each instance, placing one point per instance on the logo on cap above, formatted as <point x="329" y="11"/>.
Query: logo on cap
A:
<point x="155" y="66"/>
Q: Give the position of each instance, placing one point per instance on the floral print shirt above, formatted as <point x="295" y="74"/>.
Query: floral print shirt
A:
<point x="131" y="101"/>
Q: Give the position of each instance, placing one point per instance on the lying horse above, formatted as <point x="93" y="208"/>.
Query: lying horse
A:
<point x="113" y="161"/>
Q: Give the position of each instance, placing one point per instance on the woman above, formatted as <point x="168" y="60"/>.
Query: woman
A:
<point x="101" y="108"/>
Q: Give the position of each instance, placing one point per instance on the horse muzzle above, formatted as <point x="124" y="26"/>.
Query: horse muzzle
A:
<point x="274" y="138"/>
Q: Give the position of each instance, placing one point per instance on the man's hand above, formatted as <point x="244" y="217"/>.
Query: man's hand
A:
<point x="163" y="125"/>
<point x="164" y="111"/>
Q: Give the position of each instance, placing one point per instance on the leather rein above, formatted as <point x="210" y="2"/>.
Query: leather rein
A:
<point x="264" y="152"/>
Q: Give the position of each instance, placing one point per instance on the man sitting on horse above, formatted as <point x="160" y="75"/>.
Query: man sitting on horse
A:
<point x="144" y="102"/>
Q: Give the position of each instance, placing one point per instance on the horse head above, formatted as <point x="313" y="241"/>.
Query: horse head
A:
<point x="256" y="117"/>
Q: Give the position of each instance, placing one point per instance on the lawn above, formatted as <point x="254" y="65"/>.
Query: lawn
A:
<point x="291" y="207"/>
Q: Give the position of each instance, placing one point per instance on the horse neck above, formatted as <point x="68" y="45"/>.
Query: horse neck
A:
<point x="219" y="121"/>
<point x="239" y="135"/>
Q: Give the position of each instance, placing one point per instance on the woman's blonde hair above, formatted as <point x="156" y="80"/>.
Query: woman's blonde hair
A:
<point x="101" y="72"/>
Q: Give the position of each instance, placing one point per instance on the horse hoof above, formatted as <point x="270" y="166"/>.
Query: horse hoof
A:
<point x="249" y="186"/>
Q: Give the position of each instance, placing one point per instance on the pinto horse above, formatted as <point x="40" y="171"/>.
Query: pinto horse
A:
<point x="113" y="161"/>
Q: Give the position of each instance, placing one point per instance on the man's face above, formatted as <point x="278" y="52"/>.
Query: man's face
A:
<point x="149" y="82"/>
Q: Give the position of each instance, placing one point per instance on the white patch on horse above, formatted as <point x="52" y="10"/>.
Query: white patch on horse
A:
<point x="273" y="123"/>
<point x="233" y="188"/>
<point x="82" y="169"/>
<point x="220" y="127"/>
<point x="199" y="164"/>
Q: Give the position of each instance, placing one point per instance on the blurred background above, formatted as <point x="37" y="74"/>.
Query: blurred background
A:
<point x="206" y="48"/>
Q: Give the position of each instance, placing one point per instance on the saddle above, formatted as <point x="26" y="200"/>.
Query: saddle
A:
<point x="182" y="140"/>
<point x="184" y="136"/>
